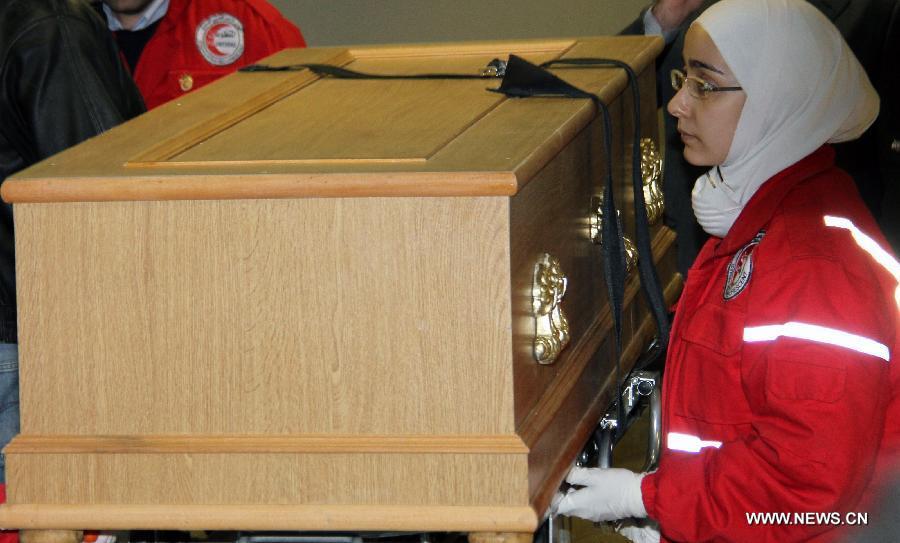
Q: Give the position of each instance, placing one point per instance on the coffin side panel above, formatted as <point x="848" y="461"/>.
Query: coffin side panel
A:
<point x="315" y="316"/>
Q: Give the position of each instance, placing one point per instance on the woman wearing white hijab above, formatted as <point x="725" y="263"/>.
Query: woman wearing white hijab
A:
<point x="778" y="394"/>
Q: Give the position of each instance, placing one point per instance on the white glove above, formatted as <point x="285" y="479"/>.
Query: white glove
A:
<point x="642" y="531"/>
<point x="607" y="494"/>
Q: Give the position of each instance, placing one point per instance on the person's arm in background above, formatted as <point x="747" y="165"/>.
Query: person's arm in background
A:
<point x="67" y="81"/>
<point x="663" y="18"/>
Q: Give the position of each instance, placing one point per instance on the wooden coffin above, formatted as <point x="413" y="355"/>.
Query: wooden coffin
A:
<point x="289" y="302"/>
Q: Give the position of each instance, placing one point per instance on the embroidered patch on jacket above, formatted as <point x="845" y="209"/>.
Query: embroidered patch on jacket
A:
<point x="220" y="39"/>
<point x="741" y="268"/>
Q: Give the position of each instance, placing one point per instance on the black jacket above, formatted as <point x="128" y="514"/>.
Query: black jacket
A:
<point x="872" y="30"/>
<point x="61" y="82"/>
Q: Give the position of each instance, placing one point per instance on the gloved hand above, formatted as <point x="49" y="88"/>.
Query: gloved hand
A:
<point x="606" y="494"/>
<point x="641" y="531"/>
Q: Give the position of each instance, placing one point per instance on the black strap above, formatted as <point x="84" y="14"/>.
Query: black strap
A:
<point x="617" y="275"/>
<point x="343" y="73"/>
<point x="524" y="79"/>
<point x="650" y="283"/>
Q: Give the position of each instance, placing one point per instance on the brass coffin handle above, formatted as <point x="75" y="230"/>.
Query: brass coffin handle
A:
<point x="596" y="226"/>
<point x="651" y="173"/>
<point x="551" y="329"/>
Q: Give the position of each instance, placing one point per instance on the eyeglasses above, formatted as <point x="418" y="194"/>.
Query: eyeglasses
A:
<point x="697" y="87"/>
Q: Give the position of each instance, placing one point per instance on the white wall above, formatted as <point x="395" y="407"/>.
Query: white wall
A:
<point x="335" y="22"/>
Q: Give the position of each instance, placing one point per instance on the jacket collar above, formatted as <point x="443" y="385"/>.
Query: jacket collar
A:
<point x="762" y="205"/>
<point x="175" y="13"/>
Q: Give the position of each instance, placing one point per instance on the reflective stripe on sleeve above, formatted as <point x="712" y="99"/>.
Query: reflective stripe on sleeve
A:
<point x="819" y="334"/>
<point x="870" y="246"/>
<point x="867" y="244"/>
<point x="688" y="443"/>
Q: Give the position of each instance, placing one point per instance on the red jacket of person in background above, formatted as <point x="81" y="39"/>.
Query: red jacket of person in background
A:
<point x="199" y="41"/>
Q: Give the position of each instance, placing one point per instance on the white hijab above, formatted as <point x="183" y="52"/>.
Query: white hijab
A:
<point x="804" y="88"/>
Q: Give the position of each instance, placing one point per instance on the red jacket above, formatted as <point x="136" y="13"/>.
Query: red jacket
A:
<point x="199" y="41"/>
<point x="778" y="395"/>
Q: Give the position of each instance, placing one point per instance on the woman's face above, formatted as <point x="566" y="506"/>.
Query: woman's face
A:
<point x="706" y="125"/>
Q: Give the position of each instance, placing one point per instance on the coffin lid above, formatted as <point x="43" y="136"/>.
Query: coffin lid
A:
<point x="295" y="134"/>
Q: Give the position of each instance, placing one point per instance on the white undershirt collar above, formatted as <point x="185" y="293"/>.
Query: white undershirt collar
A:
<point x="154" y="12"/>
